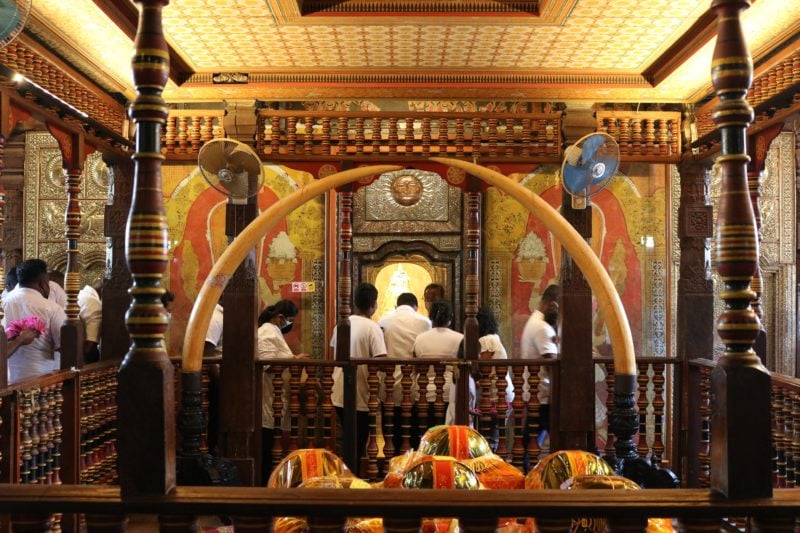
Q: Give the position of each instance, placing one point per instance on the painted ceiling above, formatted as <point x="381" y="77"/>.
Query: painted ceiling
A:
<point x="609" y="50"/>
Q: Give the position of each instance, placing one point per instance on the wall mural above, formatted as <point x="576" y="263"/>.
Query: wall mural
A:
<point x="292" y="251"/>
<point x="46" y="199"/>
<point x="629" y="235"/>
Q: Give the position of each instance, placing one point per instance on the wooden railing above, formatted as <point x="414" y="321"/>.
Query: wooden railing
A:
<point x="252" y="509"/>
<point x="649" y="136"/>
<point x="383" y="135"/>
<point x="186" y="130"/>
<point x="785" y="424"/>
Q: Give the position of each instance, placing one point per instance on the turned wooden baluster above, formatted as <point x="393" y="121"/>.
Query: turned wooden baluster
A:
<point x="308" y="136"/>
<point x="793" y="406"/>
<point x="388" y="416"/>
<point x="291" y="135"/>
<point x="438" y="401"/>
<point x="778" y="457"/>
<point x="326" y="136"/>
<point x="643" y="380"/>
<point x="408" y="136"/>
<point x="277" y="408"/>
<point x="359" y="135"/>
<point x="704" y="450"/>
<point x="146" y="413"/>
<point x="373" y="405"/>
<point x="518" y="449"/>
<point x="182" y="136"/>
<point x="426" y="135"/>
<point x="492" y="137"/>
<point x="636" y="136"/>
<point x="477" y="136"/>
<point x="658" y="410"/>
<point x="376" y="125"/>
<point x="484" y="402"/>
<point x="342" y="134"/>
<point x="294" y="406"/>
<point x="405" y="406"/>
<point x="502" y="408"/>
<point x="443" y="135"/>
<point x="309" y="437"/>
<point x="423" y="422"/>
<point x="393" y="138"/>
<point x="526" y="137"/>
<point x="532" y="445"/>
<point x="327" y="407"/>
<point x="741" y="445"/>
<point x="275" y="135"/>
<point x="609" y="450"/>
<point x="460" y="137"/>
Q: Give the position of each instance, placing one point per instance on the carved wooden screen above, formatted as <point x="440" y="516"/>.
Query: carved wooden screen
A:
<point x="45" y="200"/>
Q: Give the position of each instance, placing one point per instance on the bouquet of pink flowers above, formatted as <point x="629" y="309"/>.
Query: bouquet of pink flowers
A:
<point x="14" y="328"/>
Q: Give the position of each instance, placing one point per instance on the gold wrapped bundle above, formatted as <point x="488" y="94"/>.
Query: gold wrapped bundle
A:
<point x="290" y="524"/>
<point x="300" y="465"/>
<point x="494" y="473"/>
<point x="460" y="442"/>
<point x="437" y="472"/>
<point x="364" y="525"/>
<point x="397" y="468"/>
<point x="654" y="525"/>
<point x="558" y="467"/>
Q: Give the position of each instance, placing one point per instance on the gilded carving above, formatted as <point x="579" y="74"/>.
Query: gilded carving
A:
<point x="407" y="195"/>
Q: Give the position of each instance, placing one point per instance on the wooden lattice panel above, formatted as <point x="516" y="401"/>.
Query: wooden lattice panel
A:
<point x="652" y="136"/>
<point x="98" y="427"/>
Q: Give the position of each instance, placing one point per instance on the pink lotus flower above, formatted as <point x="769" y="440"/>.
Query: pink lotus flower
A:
<point x="13" y="329"/>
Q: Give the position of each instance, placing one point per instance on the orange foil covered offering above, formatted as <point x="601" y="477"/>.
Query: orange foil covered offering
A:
<point x="397" y="468"/>
<point x="460" y="442"/>
<point x="558" y="467"/>
<point x="301" y="465"/>
<point x="494" y="473"/>
<point x="438" y="472"/>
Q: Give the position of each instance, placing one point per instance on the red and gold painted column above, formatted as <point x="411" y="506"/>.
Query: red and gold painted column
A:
<point x="145" y="400"/>
<point x="472" y="284"/>
<point x="741" y="449"/>
<point x="345" y="294"/>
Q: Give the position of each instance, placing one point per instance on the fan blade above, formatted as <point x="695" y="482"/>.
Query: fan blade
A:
<point x="591" y="145"/>
<point x="576" y="179"/>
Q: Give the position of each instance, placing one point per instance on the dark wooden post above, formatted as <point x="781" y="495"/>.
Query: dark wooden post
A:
<point x="572" y="412"/>
<point x="741" y="449"/>
<point x="116" y="298"/>
<point x="237" y="375"/>
<point x="72" y="158"/>
<point x="695" y="300"/>
<point x="146" y="429"/>
<point x="3" y="340"/>
<point x="472" y="284"/>
<point x="350" y="451"/>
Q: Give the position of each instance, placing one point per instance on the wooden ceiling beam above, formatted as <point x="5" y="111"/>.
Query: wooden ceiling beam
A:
<point x="125" y="15"/>
<point x="681" y="50"/>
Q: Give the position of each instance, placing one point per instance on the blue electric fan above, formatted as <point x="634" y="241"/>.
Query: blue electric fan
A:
<point x="588" y="167"/>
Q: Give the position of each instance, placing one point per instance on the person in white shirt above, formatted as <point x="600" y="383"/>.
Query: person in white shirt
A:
<point x="57" y="293"/>
<point x="366" y="341"/>
<point x="441" y="342"/>
<point x="29" y="298"/>
<point x="91" y="313"/>
<point x="400" y="330"/>
<point x="491" y="347"/>
<point x="274" y="322"/>
<point x="539" y="339"/>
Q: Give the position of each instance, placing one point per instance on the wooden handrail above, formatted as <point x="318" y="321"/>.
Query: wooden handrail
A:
<point x="396" y="503"/>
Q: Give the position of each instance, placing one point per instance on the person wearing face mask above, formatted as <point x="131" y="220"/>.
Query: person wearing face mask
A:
<point x="539" y="339"/>
<point x="273" y="323"/>
<point x="168" y="300"/>
<point x="30" y="299"/>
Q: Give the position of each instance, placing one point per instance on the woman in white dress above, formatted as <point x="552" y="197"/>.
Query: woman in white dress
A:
<point x="440" y="342"/>
<point x="492" y="348"/>
<point x="273" y="323"/>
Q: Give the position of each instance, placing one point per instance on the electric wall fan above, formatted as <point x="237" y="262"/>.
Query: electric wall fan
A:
<point x="588" y="167"/>
<point x="13" y="15"/>
<point x="232" y="168"/>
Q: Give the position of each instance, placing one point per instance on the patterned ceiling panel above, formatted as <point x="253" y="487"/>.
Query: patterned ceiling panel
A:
<point x="598" y="34"/>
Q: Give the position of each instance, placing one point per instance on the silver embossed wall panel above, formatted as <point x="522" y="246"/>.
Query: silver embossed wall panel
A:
<point x="45" y="200"/>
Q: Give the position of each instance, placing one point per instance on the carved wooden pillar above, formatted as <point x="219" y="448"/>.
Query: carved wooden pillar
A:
<point x="146" y="416"/>
<point x="350" y="453"/>
<point x="758" y="148"/>
<point x="72" y="332"/>
<point x="741" y="449"/>
<point x="3" y="340"/>
<point x="797" y="258"/>
<point x="237" y="377"/>
<point x="472" y="284"/>
<point x="572" y="410"/>
<point x="116" y="298"/>
<point x="695" y="295"/>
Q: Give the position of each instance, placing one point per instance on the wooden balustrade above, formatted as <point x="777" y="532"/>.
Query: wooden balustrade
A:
<point x="22" y="59"/>
<point x="187" y="130"/>
<point x="693" y="510"/>
<point x="774" y="95"/>
<point x="785" y="427"/>
<point x="651" y="136"/>
<point x="383" y="135"/>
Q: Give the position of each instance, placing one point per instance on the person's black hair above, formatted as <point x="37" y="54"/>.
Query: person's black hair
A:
<point x="436" y="287"/>
<point x="286" y="308"/>
<point x="365" y="296"/>
<point x="29" y="272"/>
<point x="551" y="294"/>
<point x="11" y="278"/>
<point x="441" y="315"/>
<point x="167" y="297"/>
<point x="487" y="324"/>
<point x="407" y="298"/>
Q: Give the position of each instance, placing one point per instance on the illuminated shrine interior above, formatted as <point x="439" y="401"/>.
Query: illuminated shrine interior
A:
<point x="311" y="89"/>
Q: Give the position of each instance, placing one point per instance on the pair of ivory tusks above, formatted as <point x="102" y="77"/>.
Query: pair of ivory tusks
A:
<point x="594" y="272"/>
